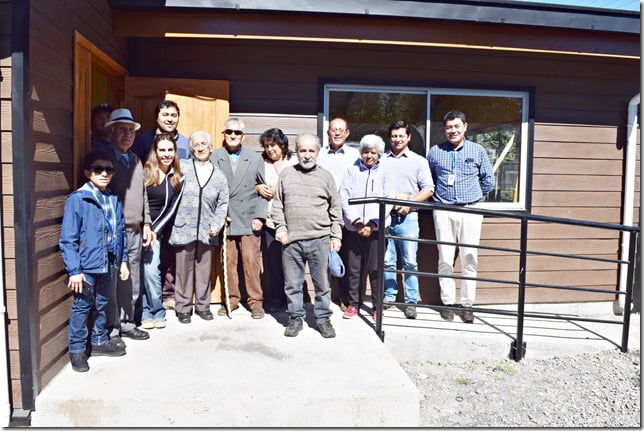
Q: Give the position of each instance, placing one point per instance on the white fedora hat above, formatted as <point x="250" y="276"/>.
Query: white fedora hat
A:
<point x="122" y="115"/>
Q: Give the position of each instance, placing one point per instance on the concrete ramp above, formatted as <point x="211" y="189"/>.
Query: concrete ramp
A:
<point x="237" y="373"/>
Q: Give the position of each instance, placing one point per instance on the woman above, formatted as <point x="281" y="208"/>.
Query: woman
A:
<point x="200" y="217"/>
<point x="164" y="184"/>
<point x="276" y="156"/>
<point x="365" y="178"/>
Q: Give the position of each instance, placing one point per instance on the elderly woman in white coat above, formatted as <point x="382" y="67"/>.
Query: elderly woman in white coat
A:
<point x="367" y="177"/>
<point x="199" y="219"/>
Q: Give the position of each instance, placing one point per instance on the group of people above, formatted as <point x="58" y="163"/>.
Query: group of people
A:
<point x="138" y="237"/>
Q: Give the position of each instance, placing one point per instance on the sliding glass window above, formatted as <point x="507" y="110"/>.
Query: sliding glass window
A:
<point x="498" y="120"/>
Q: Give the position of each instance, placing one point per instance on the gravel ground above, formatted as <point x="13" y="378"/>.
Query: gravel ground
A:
<point x="588" y="390"/>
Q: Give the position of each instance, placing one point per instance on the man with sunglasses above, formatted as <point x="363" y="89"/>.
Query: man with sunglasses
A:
<point x="244" y="169"/>
<point x="92" y="243"/>
<point x="128" y="184"/>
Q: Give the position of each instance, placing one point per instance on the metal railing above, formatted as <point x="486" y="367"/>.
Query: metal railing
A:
<point x="518" y="346"/>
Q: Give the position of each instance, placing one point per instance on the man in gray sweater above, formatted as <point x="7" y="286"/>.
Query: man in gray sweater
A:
<point x="308" y="223"/>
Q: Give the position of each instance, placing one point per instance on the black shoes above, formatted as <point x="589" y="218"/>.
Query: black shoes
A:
<point x="136" y="334"/>
<point x="111" y="348"/>
<point x="294" y="327"/>
<point x="326" y="329"/>
<point x="79" y="362"/>
<point x="118" y="341"/>
<point x="410" y="312"/>
<point x="184" y="317"/>
<point x="205" y="315"/>
<point x="468" y="316"/>
<point x="447" y="314"/>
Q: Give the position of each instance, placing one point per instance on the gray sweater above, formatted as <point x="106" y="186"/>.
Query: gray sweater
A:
<point x="307" y="205"/>
<point x="129" y="185"/>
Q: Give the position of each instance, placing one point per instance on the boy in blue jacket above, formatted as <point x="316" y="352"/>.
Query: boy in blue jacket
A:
<point x="92" y="243"/>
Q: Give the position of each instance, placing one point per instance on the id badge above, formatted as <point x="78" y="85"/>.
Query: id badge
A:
<point x="450" y="179"/>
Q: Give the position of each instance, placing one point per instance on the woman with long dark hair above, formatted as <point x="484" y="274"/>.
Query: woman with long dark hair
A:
<point x="164" y="184"/>
<point x="276" y="157"/>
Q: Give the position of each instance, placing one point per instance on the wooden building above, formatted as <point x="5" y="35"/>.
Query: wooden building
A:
<point x="546" y="89"/>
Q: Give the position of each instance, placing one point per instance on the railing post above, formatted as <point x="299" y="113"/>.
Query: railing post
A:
<point x="380" y="288"/>
<point x="629" y="291"/>
<point x="518" y="346"/>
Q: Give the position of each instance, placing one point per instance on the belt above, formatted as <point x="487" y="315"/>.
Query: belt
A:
<point x="462" y="205"/>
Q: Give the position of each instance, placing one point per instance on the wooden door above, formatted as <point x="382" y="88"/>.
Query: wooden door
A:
<point x="203" y="105"/>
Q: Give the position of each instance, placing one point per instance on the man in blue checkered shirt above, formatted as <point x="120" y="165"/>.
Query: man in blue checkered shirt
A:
<point x="462" y="175"/>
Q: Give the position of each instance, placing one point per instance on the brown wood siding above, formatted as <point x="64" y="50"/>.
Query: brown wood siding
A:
<point x="281" y="77"/>
<point x="51" y="81"/>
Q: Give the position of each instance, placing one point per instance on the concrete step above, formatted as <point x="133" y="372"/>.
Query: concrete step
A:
<point x="238" y="372"/>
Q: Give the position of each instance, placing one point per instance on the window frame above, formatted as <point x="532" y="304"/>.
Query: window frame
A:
<point x="525" y="144"/>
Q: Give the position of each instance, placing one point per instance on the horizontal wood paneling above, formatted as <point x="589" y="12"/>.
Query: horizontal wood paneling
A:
<point x="11" y="296"/>
<point x="53" y="292"/>
<point x="574" y="150"/>
<point x="6" y="147"/>
<point x="576" y="199"/>
<point x="5" y="114"/>
<point x="53" y="321"/>
<point x="49" y="265"/>
<point x="5" y="84"/>
<point x="7" y="210"/>
<point x="49" y="208"/>
<point x="9" y="242"/>
<point x="544" y="231"/>
<point x="576" y="182"/>
<point x="307" y="65"/>
<point x="577" y="166"/>
<point x="51" y="130"/>
<point x="290" y="125"/>
<point x="52" y="180"/>
<point x="47" y="238"/>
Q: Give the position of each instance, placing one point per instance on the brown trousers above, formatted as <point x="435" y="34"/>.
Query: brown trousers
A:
<point x="193" y="276"/>
<point x="248" y="246"/>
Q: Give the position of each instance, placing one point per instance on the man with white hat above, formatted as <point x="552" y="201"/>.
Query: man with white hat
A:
<point x="128" y="184"/>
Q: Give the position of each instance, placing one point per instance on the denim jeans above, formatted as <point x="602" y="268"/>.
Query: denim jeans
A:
<point x="82" y="306"/>
<point x="294" y="258"/>
<point x="152" y="293"/>
<point x="404" y="226"/>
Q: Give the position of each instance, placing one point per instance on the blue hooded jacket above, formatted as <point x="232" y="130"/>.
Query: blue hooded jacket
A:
<point x="84" y="242"/>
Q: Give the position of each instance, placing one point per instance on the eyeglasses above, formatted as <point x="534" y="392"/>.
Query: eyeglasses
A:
<point x="235" y="132"/>
<point x="339" y="131"/>
<point x="98" y="170"/>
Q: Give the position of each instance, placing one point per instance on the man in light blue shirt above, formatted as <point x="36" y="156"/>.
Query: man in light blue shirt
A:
<point x="463" y="175"/>
<point x="337" y="158"/>
<point x="413" y="181"/>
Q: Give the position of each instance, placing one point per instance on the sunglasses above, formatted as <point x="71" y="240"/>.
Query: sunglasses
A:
<point x="235" y="132"/>
<point x="100" y="169"/>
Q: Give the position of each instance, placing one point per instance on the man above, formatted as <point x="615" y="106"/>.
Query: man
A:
<point x="167" y="119"/>
<point x="463" y="174"/>
<point x="244" y="169"/>
<point x="308" y="221"/>
<point x="100" y="140"/>
<point x="337" y="158"/>
<point x="128" y="184"/>
<point x="413" y="181"/>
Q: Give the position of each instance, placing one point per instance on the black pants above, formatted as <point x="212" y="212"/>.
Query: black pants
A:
<point x="361" y="261"/>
